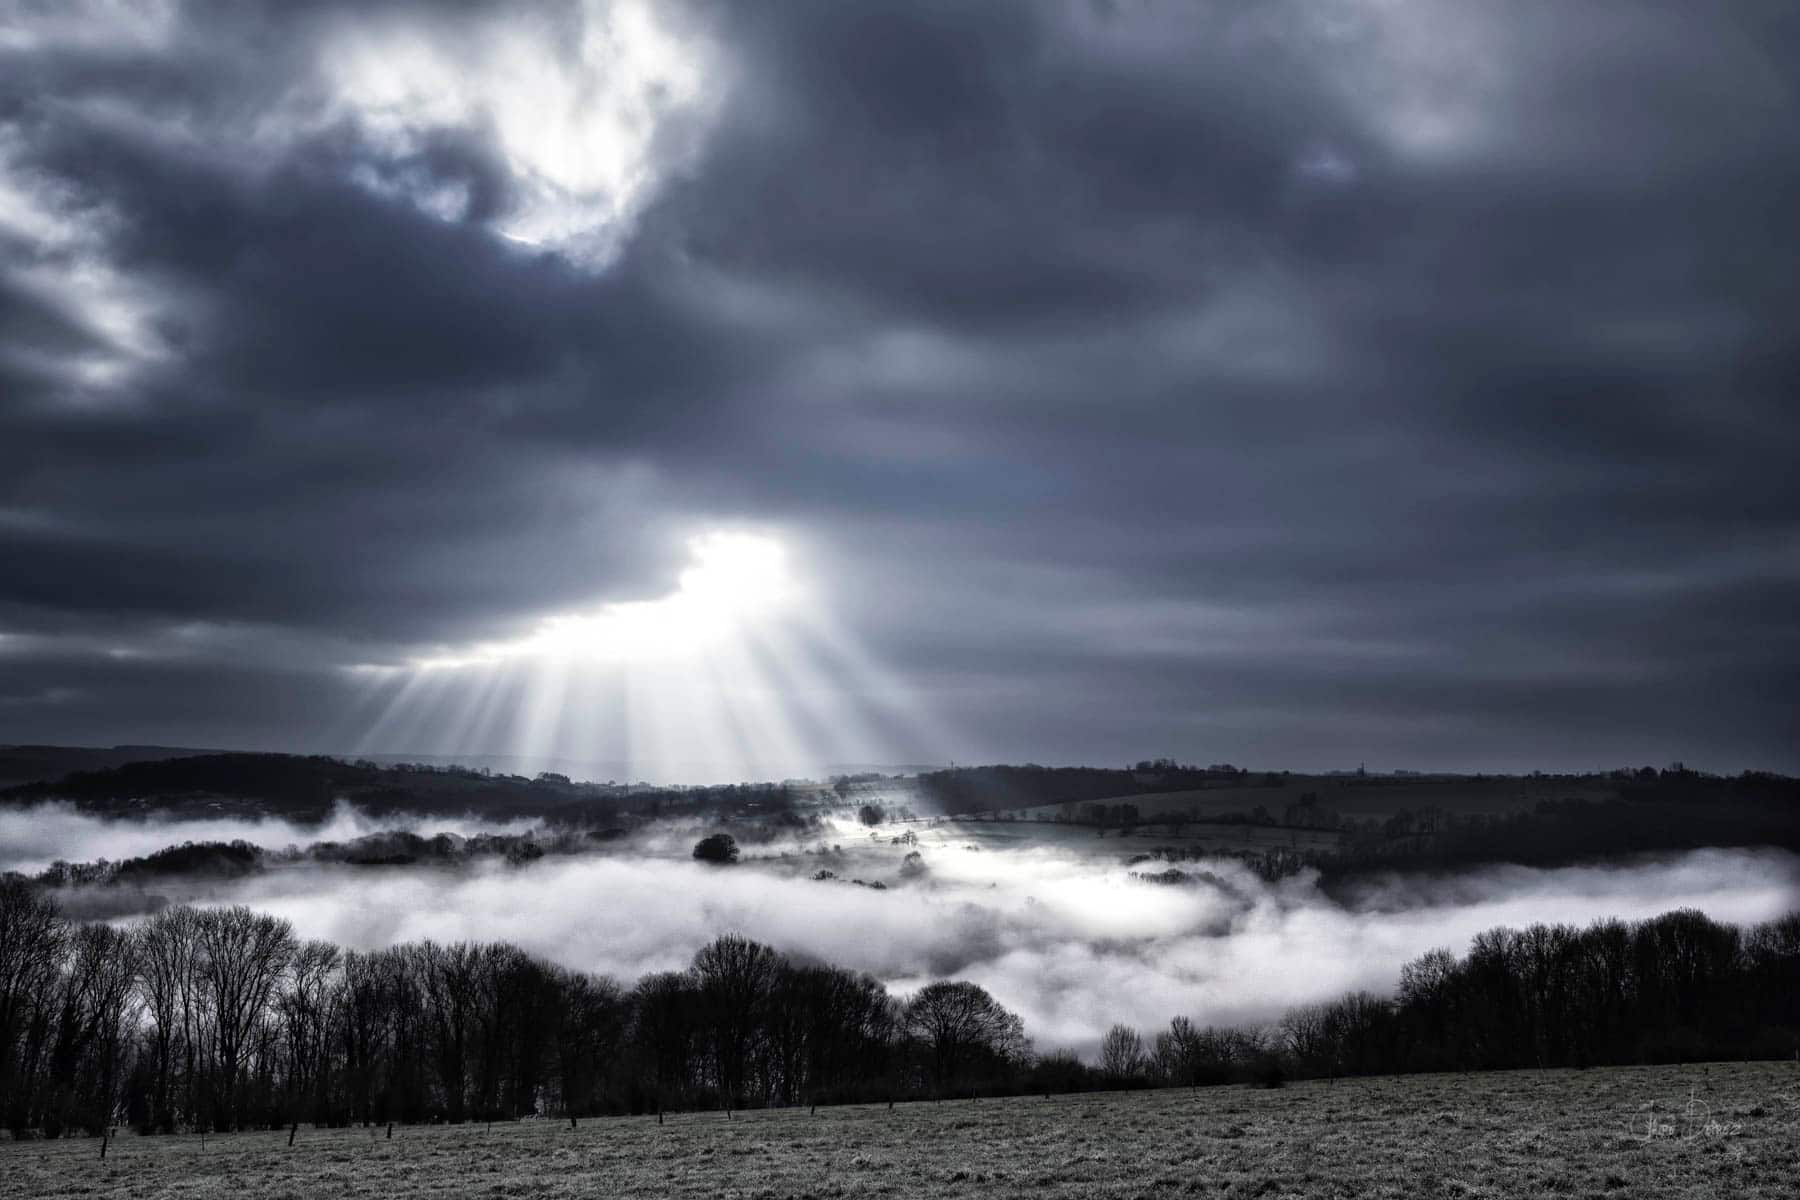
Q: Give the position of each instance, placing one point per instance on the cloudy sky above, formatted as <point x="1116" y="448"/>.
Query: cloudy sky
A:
<point x="1292" y="384"/>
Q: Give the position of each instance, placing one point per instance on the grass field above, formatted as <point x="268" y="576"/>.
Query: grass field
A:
<point x="1085" y="839"/>
<point x="1353" y="798"/>
<point x="1700" y="1131"/>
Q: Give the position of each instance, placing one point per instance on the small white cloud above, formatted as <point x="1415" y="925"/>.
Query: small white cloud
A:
<point x="58" y="253"/>
<point x="587" y="120"/>
<point x="1328" y="165"/>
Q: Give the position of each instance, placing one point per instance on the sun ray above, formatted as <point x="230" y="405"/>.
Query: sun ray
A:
<point x="738" y="672"/>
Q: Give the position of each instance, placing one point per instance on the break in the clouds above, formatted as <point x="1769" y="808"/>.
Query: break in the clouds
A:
<point x="1293" y="383"/>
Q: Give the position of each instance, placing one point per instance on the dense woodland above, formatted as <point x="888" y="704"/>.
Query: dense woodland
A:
<point x="221" y="1018"/>
<point x="981" y="789"/>
<point x="1652" y="812"/>
<point x="307" y="788"/>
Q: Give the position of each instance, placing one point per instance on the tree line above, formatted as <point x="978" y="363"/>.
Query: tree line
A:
<point x="221" y="1018"/>
<point x="1665" y="815"/>
<point x="1680" y="987"/>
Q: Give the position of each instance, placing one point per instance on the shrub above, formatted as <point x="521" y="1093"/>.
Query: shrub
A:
<point x="719" y="848"/>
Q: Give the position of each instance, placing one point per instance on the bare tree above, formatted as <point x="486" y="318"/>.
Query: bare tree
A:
<point x="307" y="1010"/>
<point x="165" y="961"/>
<point x="31" y="947"/>
<point x="595" y="1011"/>
<point x="242" y="957"/>
<point x="664" y="1031"/>
<point x="961" y="1022"/>
<point x="87" y="1054"/>
<point x="450" y="978"/>
<point x="1306" y="1034"/>
<point x="736" y="975"/>
<point x="1122" y="1054"/>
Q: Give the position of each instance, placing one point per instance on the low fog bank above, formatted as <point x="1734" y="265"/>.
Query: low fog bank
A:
<point x="1069" y="940"/>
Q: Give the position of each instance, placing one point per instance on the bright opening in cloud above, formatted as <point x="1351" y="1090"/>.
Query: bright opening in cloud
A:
<point x="739" y="672"/>
<point x="735" y="578"/>
<point x="585" y="115"/>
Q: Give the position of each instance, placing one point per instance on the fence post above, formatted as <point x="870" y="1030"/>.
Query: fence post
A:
<point x="292" y="1132"/>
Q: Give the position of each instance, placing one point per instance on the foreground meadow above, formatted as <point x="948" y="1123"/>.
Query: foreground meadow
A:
<point x="1707" y="1130"/>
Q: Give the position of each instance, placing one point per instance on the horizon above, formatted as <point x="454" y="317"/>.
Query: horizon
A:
<point x="825" y="772"/>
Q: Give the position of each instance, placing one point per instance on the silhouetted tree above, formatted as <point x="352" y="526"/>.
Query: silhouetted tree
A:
<point x="717" y="848"/>
<point x="241" y="958"/>
<point x="1122" y="1055"/>
<point x="736" y="976"/>
<point x="964" y="1030"/>
<point x="32" y="938"/>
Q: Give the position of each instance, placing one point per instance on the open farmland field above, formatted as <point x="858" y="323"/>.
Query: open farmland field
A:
<point x="1350" y="797"/>
<point x="1701" y="1131"/>
<point x="1085" y="839"/>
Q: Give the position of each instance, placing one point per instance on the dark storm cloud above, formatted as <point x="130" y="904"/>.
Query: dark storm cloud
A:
<point x="1247" y="381"/>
